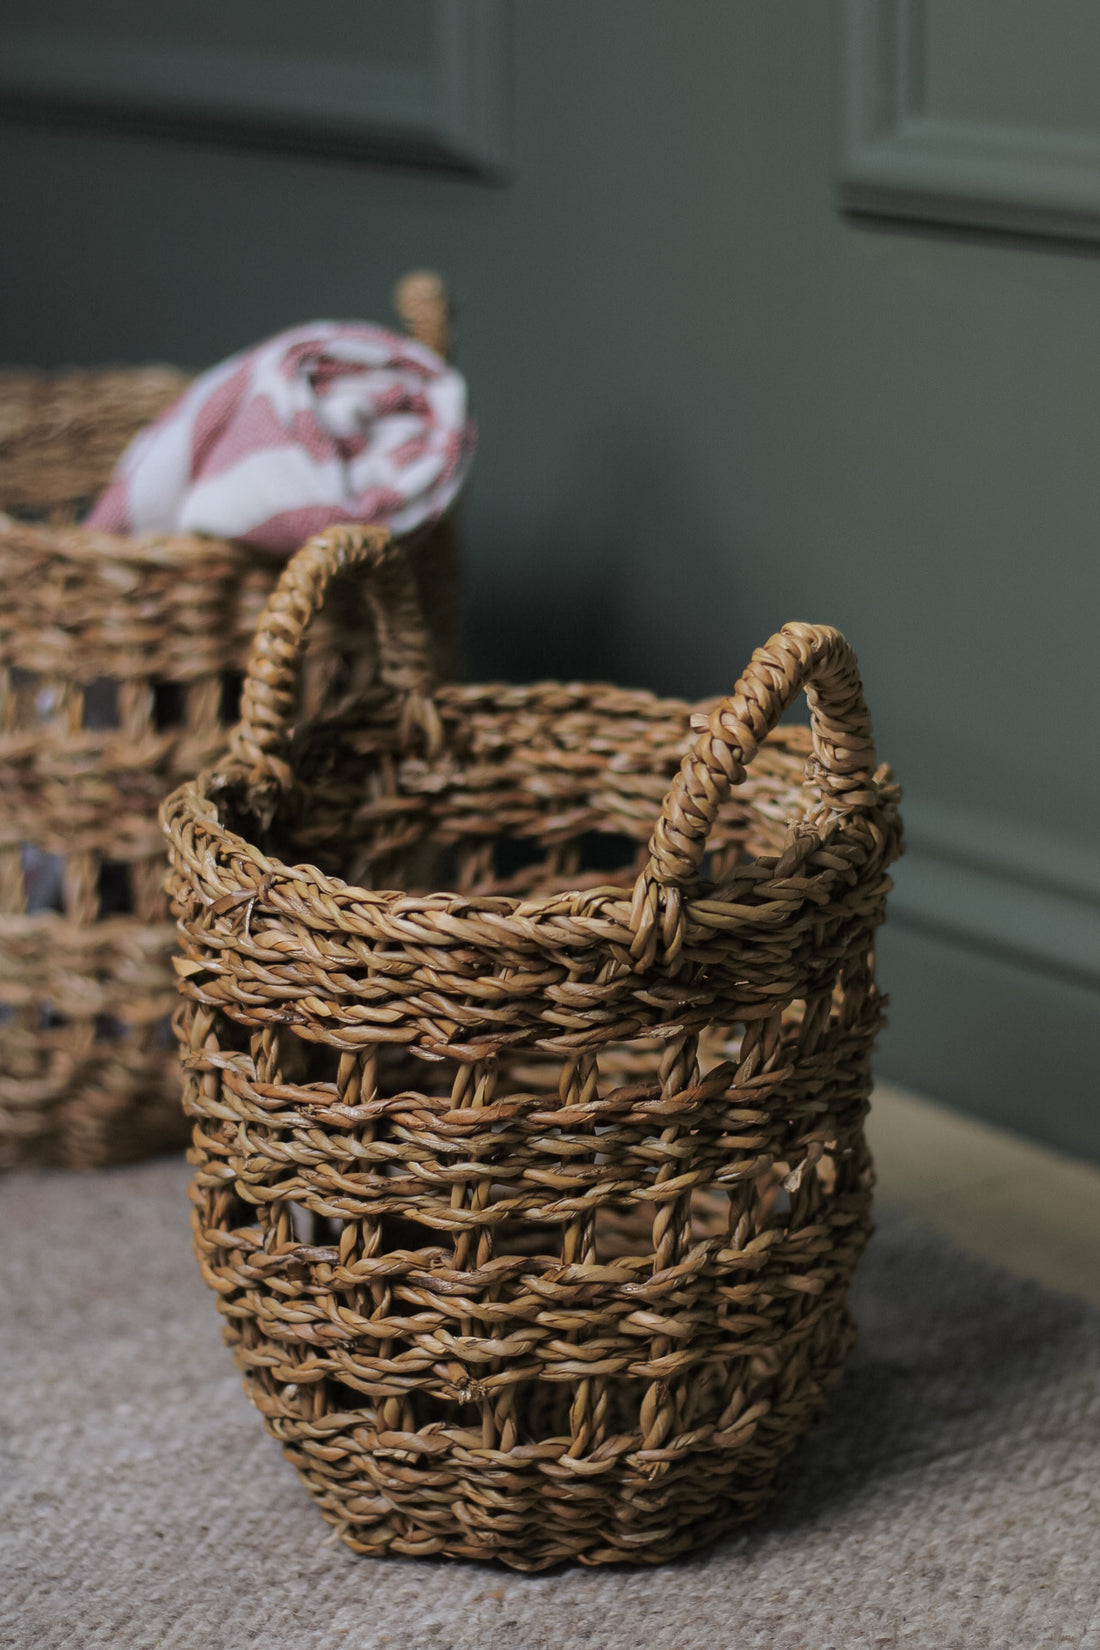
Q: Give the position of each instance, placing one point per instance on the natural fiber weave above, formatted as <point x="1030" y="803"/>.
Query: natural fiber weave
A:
<point x="117" y="667"/>
<point x="120" y="669"/>
<point x="61" y="433"/>
<point x="531" y="1206"/>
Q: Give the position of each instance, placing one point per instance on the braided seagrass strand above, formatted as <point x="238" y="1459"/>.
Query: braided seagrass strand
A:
<point x="814" y="657"/>
<point x="799" y="656"/>
<point x="532" y="1241"/>
<point x="269" y="697"/>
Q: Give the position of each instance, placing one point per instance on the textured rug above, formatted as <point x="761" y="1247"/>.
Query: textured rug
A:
<point x="946" y="1503"/>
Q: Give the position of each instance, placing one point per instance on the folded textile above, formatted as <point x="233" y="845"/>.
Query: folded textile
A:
<point x="327" y="422"/>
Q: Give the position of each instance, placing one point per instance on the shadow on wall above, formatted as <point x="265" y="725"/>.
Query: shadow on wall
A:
<point x="625" y="582"/>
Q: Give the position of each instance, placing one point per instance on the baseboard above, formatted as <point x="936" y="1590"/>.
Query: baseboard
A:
<point x="991" y="955"/>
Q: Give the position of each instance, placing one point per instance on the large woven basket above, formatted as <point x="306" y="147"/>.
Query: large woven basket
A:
<point x="120" y="668"/>
<point x="531" y="1205"/>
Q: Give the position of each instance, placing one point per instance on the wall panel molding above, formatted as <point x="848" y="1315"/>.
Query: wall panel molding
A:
<point x="991" y="956"/>
<point x="901" y="158"/>
<point x="1006" y="1043"/>
<point x="449" y="109"/>
<point x="1012" y="892"/>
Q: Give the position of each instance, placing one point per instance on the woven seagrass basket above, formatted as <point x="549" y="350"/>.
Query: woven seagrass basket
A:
<point x="120" y="669"/>
<point x="531" y="1205"/>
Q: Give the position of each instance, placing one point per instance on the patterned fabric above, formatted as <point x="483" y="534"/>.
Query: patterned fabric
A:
<point x="328" y="422"/>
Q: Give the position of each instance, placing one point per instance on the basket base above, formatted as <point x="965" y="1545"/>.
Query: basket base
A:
<point x="441" y="1492"/>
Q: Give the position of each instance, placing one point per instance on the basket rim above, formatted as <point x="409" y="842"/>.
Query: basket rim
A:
<point x="605" y="908"/>
<point x="17" y="372"/>
<point x="80" y="543"/>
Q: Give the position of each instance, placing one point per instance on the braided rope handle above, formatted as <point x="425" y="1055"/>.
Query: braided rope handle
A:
<point x="420" y="298"/>
<point x="800" y="656"/>
<point x="269" y="697"/>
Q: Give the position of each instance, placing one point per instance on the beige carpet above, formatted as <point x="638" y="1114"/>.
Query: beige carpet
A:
<point x="948" y="1503"/>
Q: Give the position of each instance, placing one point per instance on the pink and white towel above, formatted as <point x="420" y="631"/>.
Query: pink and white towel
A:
<point x="328" y="422"/>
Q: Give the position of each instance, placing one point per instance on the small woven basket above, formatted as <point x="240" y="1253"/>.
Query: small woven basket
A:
<point x="531" y="1206"/>
<point x="120" y="669"/>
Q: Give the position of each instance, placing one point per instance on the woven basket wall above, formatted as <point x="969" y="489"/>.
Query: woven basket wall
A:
<point x="62" y="433"/>
<point x="120" y="669"/>
<point x="529" y="1058"/>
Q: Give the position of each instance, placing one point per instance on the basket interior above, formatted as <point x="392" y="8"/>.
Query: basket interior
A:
<point x="537" y="791"/>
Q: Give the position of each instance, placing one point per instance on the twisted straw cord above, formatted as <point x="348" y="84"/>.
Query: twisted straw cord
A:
<point x="270" y="693"/>
<point x="814" y="657"/>
<point x="420" y="298"/>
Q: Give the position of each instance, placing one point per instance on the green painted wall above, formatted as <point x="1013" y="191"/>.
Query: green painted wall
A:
<point x="708" y="403"/>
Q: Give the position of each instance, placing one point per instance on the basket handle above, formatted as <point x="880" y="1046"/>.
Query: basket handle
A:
<point x="269" y="696"/>
<point x="420" y="298"/>
<point x="814" y="657"/>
